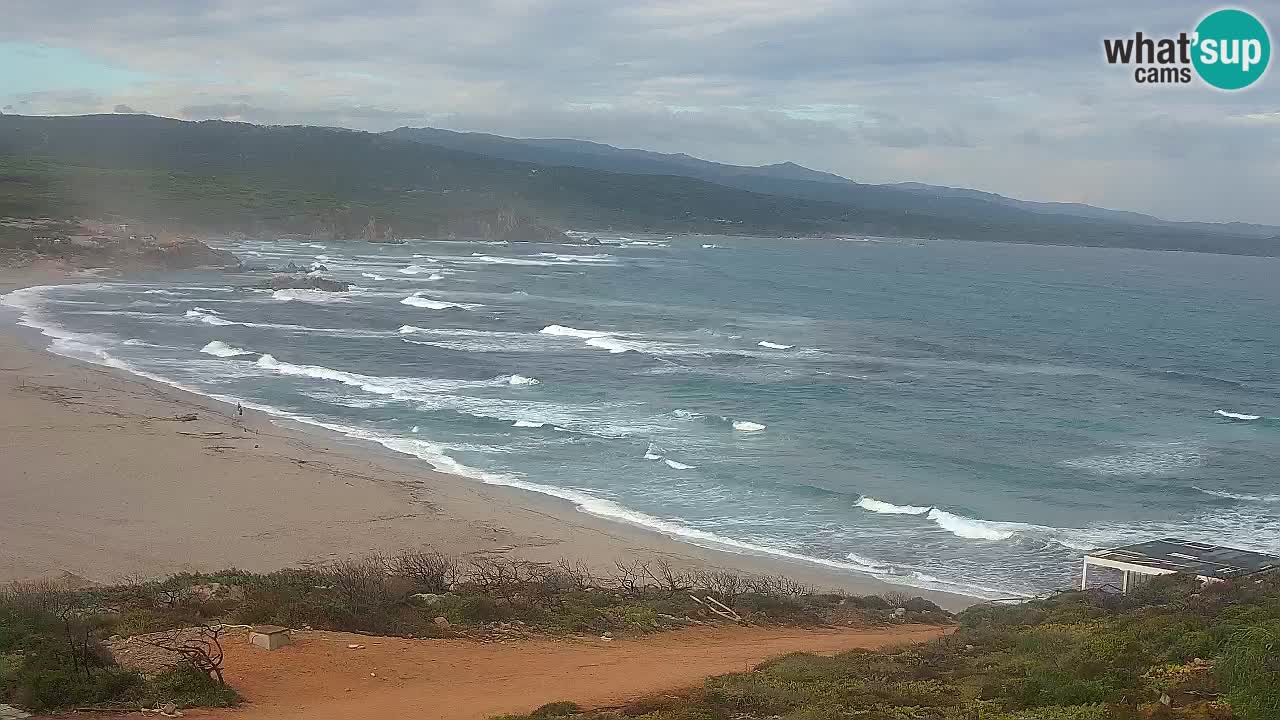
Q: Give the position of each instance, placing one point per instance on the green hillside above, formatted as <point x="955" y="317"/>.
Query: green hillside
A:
<point x="232" y="176"/>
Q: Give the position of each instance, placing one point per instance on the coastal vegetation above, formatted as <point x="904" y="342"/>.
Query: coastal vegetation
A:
<point x="56" y="644"/>
<point x="1171" y="649"/>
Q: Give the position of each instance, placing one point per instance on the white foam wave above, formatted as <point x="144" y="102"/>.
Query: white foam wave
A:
<point x="545" y="260"/>
<point x="217" y="348"/>
<point x="399" y="388"/>
<point x="527" y="424"/>
<point x="774" y="346"/>
<point x="414" y="270"/>
<point x="869" y="565"/>
<point x="613" y="345"/>
<point x="650" y="454"/>
<point x="972" y="529"/>
<point x="435" y="276"/>
<point x="568" y="258"/>
<point x="678" y="465"/>
<point x="423" y="302"/>
<point x="208" y="317"/>
<point x="374" y="276"/>
<point x="1244" y="497"/>
<point x="879" y="506"/>
<point x="319" y="297"/>
<point x="961" y="526"/>
<point x="748" y="426"/>
<point x="596" y="339"/>
<point x="572" y="332"/>
<point x="621" y="342"/>
<point x="522" y="380"/>
<point x="1236" y="415"/>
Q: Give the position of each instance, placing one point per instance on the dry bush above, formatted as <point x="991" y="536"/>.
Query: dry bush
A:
<point x="505" y="577"/>
<point x="897" y="598"/>
<point x="727" y="586"/>
<point x="362" y="582"/>
<point x="431" y="572"/>
<point x="668" y="578"/>
<point x="576" y="575"/>
<point x="776" y="585"/>
<point x="630" y="578"/>
<point x="201" y="649"/>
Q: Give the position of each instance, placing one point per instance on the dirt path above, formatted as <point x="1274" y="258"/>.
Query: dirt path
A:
<point x="320" y="678"/>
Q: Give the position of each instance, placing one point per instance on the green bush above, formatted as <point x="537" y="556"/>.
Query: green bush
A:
<point x="1251" y="671"/>
<point x="185" y="686"/>
<point x="556" y="710"/>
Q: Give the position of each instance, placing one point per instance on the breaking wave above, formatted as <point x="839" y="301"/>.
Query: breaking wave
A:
<point x="208" y="317"/>
<point x="527" y="424"/>
<point x="774" y="346"/>
<point x="748" y="426"/>
<point x="958" y="525"/>
<point x="399" y="388"/>
<point x="678" y="465"/>
<point x="572" y="332"/>
<point x="1236" y="416"/>
<point x="217" y="348"/>
<point x="319" y="297"/>
<point x="423" y="302"/>
<point x="879" y="506"/>
<point x="972" y="529"/>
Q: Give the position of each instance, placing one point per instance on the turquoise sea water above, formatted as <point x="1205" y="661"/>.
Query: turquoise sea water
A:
<point x="961" y="416"/>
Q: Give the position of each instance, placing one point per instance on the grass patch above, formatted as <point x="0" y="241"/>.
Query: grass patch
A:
<point x="1173" y="649"/>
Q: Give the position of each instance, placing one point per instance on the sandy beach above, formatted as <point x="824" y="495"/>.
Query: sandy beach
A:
<point x="101" y="480"/>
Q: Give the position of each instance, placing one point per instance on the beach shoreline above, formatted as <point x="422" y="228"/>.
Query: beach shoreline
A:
<point x="103" y="483"/>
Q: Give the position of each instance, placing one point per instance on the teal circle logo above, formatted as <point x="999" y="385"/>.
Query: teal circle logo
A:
<point x="1232" y="49"/>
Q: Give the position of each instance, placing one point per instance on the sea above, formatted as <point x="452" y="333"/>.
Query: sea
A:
<point x="960" y="416"/>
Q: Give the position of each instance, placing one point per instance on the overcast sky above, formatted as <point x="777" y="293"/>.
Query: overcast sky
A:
<point x="1011" y="96"/>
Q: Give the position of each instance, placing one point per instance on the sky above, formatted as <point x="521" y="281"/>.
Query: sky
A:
<point x="1009" y="96"/>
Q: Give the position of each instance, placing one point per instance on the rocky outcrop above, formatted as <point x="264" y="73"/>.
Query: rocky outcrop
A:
<point x="185" y="254"/>
<point x="304" y="282"/>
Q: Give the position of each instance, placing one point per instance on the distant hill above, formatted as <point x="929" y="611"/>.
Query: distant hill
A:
<point x="1089" y="211"/>
<point x="237" y="176"/>
<point x="796" y="181"/>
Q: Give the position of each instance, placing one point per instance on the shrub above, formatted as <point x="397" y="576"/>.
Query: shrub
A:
<point x="1251" y="671"/>
<point x="556" y="709"/>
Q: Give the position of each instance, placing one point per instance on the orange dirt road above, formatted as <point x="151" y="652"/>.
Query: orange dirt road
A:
<point x="320" y="678"/>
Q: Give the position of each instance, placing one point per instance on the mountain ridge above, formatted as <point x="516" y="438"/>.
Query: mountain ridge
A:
<point x="336" y="183"/>
<point x="787" y="178"/>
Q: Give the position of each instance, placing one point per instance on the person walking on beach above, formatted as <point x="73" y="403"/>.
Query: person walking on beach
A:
<point x="239" y="409"/>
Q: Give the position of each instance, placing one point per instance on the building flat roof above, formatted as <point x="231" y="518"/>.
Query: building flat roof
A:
<point x="1176" y="555"/>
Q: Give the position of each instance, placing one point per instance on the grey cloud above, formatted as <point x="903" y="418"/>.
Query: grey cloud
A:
<point x="1005" y="95"/>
